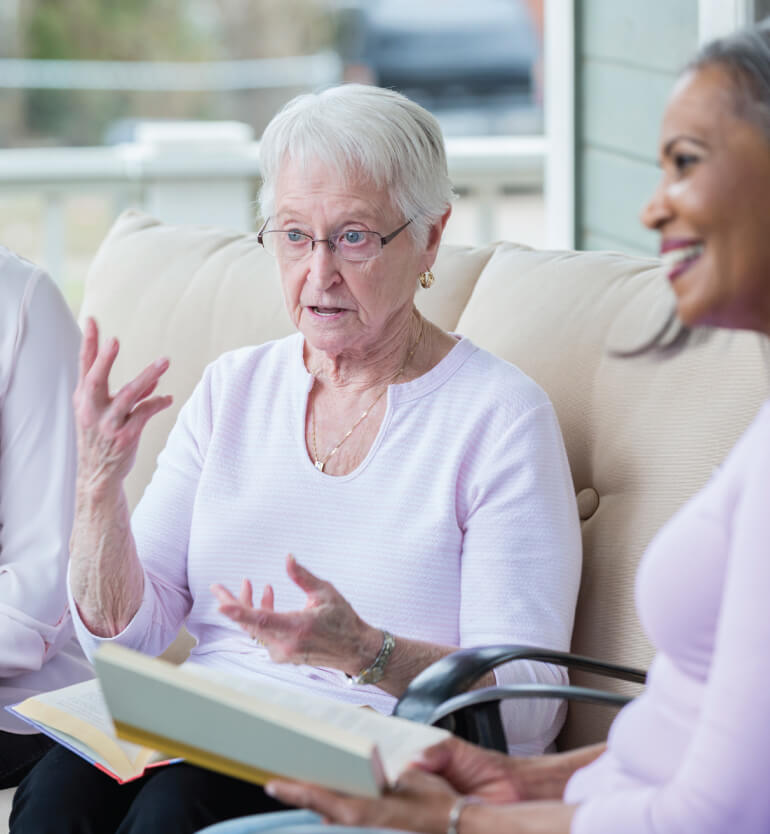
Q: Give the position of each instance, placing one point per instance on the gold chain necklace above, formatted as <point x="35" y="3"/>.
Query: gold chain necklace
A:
<point x="320" y="464"/>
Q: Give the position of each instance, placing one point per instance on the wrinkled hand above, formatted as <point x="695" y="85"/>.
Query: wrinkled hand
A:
<point x="326" y="632"/>
<point x="419" y="802"/>
<point x="469" y="769"/>
<point x="108" y="427"/>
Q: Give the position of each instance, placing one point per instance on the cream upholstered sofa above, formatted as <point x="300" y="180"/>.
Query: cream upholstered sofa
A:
<point x="642" y="434"/>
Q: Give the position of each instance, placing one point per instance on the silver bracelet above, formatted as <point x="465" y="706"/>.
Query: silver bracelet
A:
<point x="376" y="672"/>
<point x="457" y="809"/>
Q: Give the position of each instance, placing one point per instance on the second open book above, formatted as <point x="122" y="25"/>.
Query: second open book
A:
<point x="252" y="729"/>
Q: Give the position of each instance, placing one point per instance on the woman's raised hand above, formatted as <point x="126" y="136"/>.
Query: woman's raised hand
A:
<point x="109" y="427"/>
<point x="326" y="632"/>
<point x="105" y="573"/>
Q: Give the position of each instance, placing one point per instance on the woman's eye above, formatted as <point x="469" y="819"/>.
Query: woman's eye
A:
<point x="293" y="236"/>
<point x="683" y="161"/>
<point x="351" y="237"/>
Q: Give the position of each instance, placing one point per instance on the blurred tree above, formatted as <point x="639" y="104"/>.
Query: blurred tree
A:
<point x="102" y="30"/>
<point x="162" y="30"/>
<point x="111" y="30"/>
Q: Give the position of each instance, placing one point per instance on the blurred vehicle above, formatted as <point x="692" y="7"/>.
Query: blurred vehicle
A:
<point x="469" y="61"/>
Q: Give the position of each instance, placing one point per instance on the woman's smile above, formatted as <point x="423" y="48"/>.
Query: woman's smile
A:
<point x="679" y="255"/>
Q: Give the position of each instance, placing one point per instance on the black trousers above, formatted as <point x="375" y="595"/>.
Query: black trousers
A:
<point x="64" y="794"/>
<point x="19" y="754"/>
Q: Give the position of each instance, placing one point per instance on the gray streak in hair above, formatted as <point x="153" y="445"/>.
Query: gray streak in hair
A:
<point x="745" y="56"/>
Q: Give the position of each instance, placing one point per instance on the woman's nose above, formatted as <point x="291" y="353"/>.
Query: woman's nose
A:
<point x="657" y="210"/>
<point x="322" y="266"/>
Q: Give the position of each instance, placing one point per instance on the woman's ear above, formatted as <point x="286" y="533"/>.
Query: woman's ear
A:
<point x="434" y="236"/>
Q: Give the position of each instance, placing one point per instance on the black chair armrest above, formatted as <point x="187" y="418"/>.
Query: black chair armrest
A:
<point x="438" y="694"/>
<point x="457" y="672"/>
<point x="475" y="716"/>
<point x="529" y="690"/>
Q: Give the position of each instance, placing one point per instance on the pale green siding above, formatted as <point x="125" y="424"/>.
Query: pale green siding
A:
<point x="628" y="54"/>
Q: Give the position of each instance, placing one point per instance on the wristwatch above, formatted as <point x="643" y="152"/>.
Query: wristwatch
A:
<point x="376" y="672"/>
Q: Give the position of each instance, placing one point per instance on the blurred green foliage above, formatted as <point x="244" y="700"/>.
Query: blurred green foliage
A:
<point x="111" y="30"/>
<point x="100" y="30"/>
<point x="158" y="30"/>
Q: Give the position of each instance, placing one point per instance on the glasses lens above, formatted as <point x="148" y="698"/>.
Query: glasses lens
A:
<point x="350" y="245"/>
<point x="357" y="244"/>
<point x="289" y="244"/>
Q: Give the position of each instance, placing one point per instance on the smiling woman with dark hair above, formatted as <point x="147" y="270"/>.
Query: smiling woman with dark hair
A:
<point x="420" y="482"/>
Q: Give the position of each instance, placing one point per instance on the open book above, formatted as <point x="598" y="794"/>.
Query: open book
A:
<point x="77" y="717"/>
<point x="249" y="728"/>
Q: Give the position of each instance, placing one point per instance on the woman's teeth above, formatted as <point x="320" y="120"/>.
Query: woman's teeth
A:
<point x="675" y="257"/>
<point x="326" y="311"/>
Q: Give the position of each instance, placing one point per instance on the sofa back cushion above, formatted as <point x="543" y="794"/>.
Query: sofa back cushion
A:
<point x="642" y="434"/>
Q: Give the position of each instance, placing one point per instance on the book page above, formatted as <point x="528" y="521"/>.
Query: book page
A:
<point x="80" y="716"/>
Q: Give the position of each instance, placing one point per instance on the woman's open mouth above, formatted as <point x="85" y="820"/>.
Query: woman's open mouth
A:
<point x="679" y="259"/>
<point x="327" y="312"/>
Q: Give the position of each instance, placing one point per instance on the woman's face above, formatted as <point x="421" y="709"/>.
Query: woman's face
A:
<point x="344" y="307"/>
<point x="712" y="205"/>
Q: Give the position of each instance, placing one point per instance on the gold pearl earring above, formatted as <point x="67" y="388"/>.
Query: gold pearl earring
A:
<point x="426" y="279"/>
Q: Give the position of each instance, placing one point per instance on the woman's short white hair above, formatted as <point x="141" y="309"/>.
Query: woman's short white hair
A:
<point x="359" y="130"/>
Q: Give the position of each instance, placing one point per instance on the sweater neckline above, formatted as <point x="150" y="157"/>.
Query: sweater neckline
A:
<point x="397" y="393"/>
<point x="401" y="392"/>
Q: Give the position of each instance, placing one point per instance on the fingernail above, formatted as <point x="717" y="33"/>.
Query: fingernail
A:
<point x="269" y="789"/>
<point x="159" y="363"/>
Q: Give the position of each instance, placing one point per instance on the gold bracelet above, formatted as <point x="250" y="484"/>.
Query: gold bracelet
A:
<point x="457" y="809"/>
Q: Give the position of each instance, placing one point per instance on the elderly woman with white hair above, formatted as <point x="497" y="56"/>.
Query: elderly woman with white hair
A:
<point x="420" y="483"/>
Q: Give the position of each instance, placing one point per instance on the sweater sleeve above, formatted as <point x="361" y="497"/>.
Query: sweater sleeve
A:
<point x="721" y="783"/>
<point x="161" y="526"/>
<point x="37" y="476"/>
<point x="521" y="563"/>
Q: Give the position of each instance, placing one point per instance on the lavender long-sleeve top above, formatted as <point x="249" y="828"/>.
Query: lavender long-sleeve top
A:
<point x="38" y="370"/>
<point x="692" y="754"/>
<point x="458" y="528"/>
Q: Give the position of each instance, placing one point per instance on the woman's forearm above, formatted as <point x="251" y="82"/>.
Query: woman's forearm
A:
<point x="409" y="658"/>
<point x="521" y="818"/>
<point x="545" y="777"/>
<point x="106" y="576"/>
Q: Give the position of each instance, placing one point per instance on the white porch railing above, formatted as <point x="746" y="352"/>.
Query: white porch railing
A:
<point x="208" y="173"/>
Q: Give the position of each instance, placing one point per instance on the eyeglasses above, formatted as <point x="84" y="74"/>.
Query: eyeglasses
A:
<point x="349" y="244"/>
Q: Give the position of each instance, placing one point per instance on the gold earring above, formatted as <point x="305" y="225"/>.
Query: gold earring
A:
<point x="426" y="279"/>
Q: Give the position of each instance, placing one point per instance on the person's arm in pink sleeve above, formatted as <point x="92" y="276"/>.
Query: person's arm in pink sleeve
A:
<point x="37" y="475"/>
<point x="721" y="784"/>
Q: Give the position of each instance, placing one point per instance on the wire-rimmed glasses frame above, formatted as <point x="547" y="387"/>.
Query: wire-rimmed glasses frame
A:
<point x="303" y="247"/>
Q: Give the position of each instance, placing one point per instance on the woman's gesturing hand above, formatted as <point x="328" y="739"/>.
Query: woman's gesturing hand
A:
<point x="326" y="632"/>
<point x="109" y="427"/>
